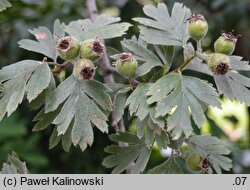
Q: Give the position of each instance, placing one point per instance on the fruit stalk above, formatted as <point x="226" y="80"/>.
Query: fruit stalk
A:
<point x="183" y="65"/>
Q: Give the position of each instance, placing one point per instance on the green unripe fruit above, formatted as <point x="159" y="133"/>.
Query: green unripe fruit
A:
<point x="92" y="49"/>
<point x="84" y="69"/>
<point x="197" y="27"/>
<point x="194" y="162"/>
<point x="127" y="65"/>
<point x="219" y="63"/>
<point x="225" y="43"/>
<point x="68" y="47"/>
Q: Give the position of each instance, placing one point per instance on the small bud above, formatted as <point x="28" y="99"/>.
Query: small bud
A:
<point x="126" y="65"/>
<point x="225" y="43"/>
<point x="194" y="162"/>
<point x="84" y="69"/>
<point x="68" y="47"/>
<point x="92" y="49"/>
<point x="197" y="27"/>
<point x="219" y="63"/>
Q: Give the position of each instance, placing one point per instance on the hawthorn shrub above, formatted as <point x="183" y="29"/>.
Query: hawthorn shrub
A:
<point x="164" y="103"/>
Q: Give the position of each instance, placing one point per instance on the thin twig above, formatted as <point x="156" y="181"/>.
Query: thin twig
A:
<point x="183" y="65"/>
<point x="60" y="67"/>
<point x="105" y="63"/>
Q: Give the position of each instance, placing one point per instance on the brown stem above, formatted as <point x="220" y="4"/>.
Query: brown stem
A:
<point x="183" y="65"/>
<point x="60" y="67"/>
<point x="105" y="63"/>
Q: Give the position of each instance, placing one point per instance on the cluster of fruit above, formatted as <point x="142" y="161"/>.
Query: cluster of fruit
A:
<point x="218" y="62"/>
<point x="93" y="49"/>
<point x="90" y="51"/>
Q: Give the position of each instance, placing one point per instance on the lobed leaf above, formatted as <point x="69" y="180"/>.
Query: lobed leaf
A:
<point x="137" y="101"/>
<point x="28" y="76"/>
<point x="4" y="4"/>
<point x="183" y="93"/>
<point x="163" y="29"/>
<point x="149" y="59"/>
<point x="122" y="157"/>
<point x="40" y="100"/>
<point x="147" y="123"/>
<point x="213" y="148"/>
<point x="233" y="85"/>
<point x="170" y="166"/>
<point x="45" y="43"/>
<point x="119" y="103"/>
<point x="104" y="27"/>
<point x="14" y="165"/>
<point x="82" y="103"/>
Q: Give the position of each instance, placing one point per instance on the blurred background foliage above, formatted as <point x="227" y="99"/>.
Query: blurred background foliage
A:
<point x="231" y="124"/>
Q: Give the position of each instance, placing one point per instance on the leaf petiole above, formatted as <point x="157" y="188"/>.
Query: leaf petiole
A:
<point x="183" y="65"/>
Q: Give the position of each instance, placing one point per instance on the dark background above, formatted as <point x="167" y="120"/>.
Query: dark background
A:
<point x="16" y="131"/>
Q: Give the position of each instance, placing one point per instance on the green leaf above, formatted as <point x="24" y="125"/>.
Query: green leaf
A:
<point x="234" y="86"/>
<point x="147" y="124"/>
<point x="19" y="78"/>
<point x="44" y="119"/>
<point x="4" y="4"/>
<point x="183" y="93"/>
<point x="45" y="43"/>
<point x="119" y="103"/>
<point x="65" y="139"/>
<point x="196" y="64"/>
<point x="84" y="104"/>
<point x="170" y="166"/>
<point x="163" y="29"/>
<point x="59" y="28"/>
<point x="213" y="148"/>
<point x="152" y="131"/>
<point x="54" y="139"/>
<point x="40" y="100"/>
<point x="166" y="54"/>
<point x="137" y="101"/>
<point x="122" y="157"/>
<point x="40" y="80"/>
<point x="238" y="64"/>
<point x="14" y="165"/>
<point x="104" y="27"/>
<point x="141" y="53"/>
<point x="162" y="140"/>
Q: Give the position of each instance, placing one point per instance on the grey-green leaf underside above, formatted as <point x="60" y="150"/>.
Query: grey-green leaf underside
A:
<point x="4" y="4"/>
<point x="45" y="43"/>
<point x="213" y="148"/>
<point x="104" y="27"/>
<point x="233" y="84"/>
<point x="170" y="166"/>
<point x="14" y="165"/>
<point x="149" y="59"/>
<point x="84" y="103"/>
<point x="122" y="157"/>
<point x="163" y="29"/>
<point x="25" y="77"/>
<point x="184" y="93"/>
